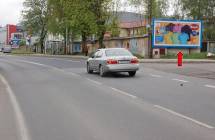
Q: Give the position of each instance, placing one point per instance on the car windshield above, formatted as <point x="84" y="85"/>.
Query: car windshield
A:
<point x="117" y="52"/>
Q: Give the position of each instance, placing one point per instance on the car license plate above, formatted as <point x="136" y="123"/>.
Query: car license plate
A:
<point x="124" y="62"/>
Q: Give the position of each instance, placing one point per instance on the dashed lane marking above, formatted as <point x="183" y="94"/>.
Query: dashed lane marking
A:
<point x="210" y="86"/>
<point x="179" y="80"/>
<point x="93" y="81"/>
<point x="156" y="76"/>
<point x="124" y="93"/>
<point x="184" y="117"/>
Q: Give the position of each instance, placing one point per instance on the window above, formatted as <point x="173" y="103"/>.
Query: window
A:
<point x="117" y="52"/>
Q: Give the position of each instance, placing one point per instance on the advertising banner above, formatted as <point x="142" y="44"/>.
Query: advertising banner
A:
<point x="177" y="34"/>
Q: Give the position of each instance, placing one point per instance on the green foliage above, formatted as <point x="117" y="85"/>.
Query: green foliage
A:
<point x="22" y="43"/>
<point x="101" y="8"/>
<point x="143" y="31"/>
<point x="113" y="27"/>
<point x="81" y="17"/>
<point x="201" y="10"/>
<point x="187" y="56"/>
<point x="139" y="56"/>
<point x="35" y="18"/>
<point x="155" y="8"/>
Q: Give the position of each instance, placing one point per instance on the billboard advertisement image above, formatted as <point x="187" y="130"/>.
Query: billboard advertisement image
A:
<point x="177" y="34"/>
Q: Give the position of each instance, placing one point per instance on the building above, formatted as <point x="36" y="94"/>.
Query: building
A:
<point x="132" y="34"/>
<point x="11" y="35"/>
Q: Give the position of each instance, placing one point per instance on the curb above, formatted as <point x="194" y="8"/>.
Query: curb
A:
<point x="141" y="60"/>
<point x="175" y="61"/>
<point x="56" y="56"/>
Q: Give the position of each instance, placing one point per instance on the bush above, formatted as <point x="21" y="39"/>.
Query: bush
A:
<point x="139" y="56"/>
<point x="22" y="43"/>
<point x="187" y="56"/>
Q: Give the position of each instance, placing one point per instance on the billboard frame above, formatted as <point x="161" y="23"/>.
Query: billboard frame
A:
<point x="154" y="46"/>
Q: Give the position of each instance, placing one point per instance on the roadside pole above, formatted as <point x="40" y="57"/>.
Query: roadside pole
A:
<point x="66" y="49"/>
<point x="149" y="28"/>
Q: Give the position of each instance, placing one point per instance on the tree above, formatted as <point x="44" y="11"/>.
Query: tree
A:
<point x="59" y="23"/>
<point x="113" y="27"/>
<point x="151" y="9"/>
<point x="81" y="19"/>
<point x="35" y="18"/>
<point x="162" y="8"/>
<point x="201" y="10"/>
<point x="101" y="11"/>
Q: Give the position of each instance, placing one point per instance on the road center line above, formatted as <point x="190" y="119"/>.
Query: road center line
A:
<point x="210" y="86"/>
<point x="23" y="131"/>
<point x="93" y="81"/>
<point x="61" y="59"/>
<point x="73" y="61"/>
<point x="124" y="93"/>
<point x="51" y="67"/>
<point x="35" y="63"/>
<point x="156" y="76"/>
<point x="179" y="80"/>
<point x="184" y="117"/>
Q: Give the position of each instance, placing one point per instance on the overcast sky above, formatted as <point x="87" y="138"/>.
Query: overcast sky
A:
<point x="10" y="11"/>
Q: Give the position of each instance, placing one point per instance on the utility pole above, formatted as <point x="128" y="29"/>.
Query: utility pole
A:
<point x="150" y="4"/>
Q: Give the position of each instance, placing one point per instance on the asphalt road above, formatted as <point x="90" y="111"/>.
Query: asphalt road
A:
<point x="55" y="99"/>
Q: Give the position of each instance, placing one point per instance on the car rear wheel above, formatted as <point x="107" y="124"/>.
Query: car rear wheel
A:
<point x="88" y="69"/>
<point x="101" y="71"/>
<point x="132" y="73"/>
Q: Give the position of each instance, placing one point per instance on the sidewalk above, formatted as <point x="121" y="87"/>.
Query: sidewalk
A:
<point x="141" y="60"/>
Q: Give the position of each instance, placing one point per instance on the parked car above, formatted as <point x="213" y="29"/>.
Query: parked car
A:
<point x="7" y="49"/>
<point x="112" y="60"/>
<point x="1" y="46"/>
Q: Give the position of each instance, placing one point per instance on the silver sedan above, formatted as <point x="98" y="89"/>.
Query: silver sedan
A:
<point x="7" y="49"/>
<point x="112" y="60"/>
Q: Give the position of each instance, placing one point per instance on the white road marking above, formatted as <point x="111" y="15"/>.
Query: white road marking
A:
<point x="73" y="61"/>
<point x="179" y="80"/>
<point x="156" y="76"/>
<point x="64" y="59"/>
<point x="210" y="86"/>
<point x="73" y="74"/>
<point x="51" y="67"/>
<point x="96" y="82"/>
<point x="34" y="63"/>
<point x="184" y="117"/>
<point x="124" y="93"/>
<point x="21" y="124"/>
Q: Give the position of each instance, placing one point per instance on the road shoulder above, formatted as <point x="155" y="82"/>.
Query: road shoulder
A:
<point x="8" y="127"/>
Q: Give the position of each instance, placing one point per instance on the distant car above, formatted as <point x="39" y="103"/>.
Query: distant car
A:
<point x="7" y="49"/>
<point x="1" y="48"/>
<point x="112" y="60"/>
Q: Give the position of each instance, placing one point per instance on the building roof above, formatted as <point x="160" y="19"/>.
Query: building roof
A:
<point x="130" y="20"/>
<point x="135" y="24"/>
<point x="129" y="17"/>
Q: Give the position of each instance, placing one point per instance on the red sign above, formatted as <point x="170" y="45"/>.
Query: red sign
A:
<point x="10" y="29"/>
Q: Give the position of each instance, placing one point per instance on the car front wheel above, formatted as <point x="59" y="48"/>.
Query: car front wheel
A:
<point x="132" y="73"/>
<point x="88" y="69"/>
<point x="101" y="71"/>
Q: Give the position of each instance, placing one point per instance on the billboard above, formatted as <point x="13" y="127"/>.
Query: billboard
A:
<point x="177" y="34"/>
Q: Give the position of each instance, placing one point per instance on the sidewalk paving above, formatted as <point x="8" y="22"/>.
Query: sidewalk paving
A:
<point x="141" y="60"/>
